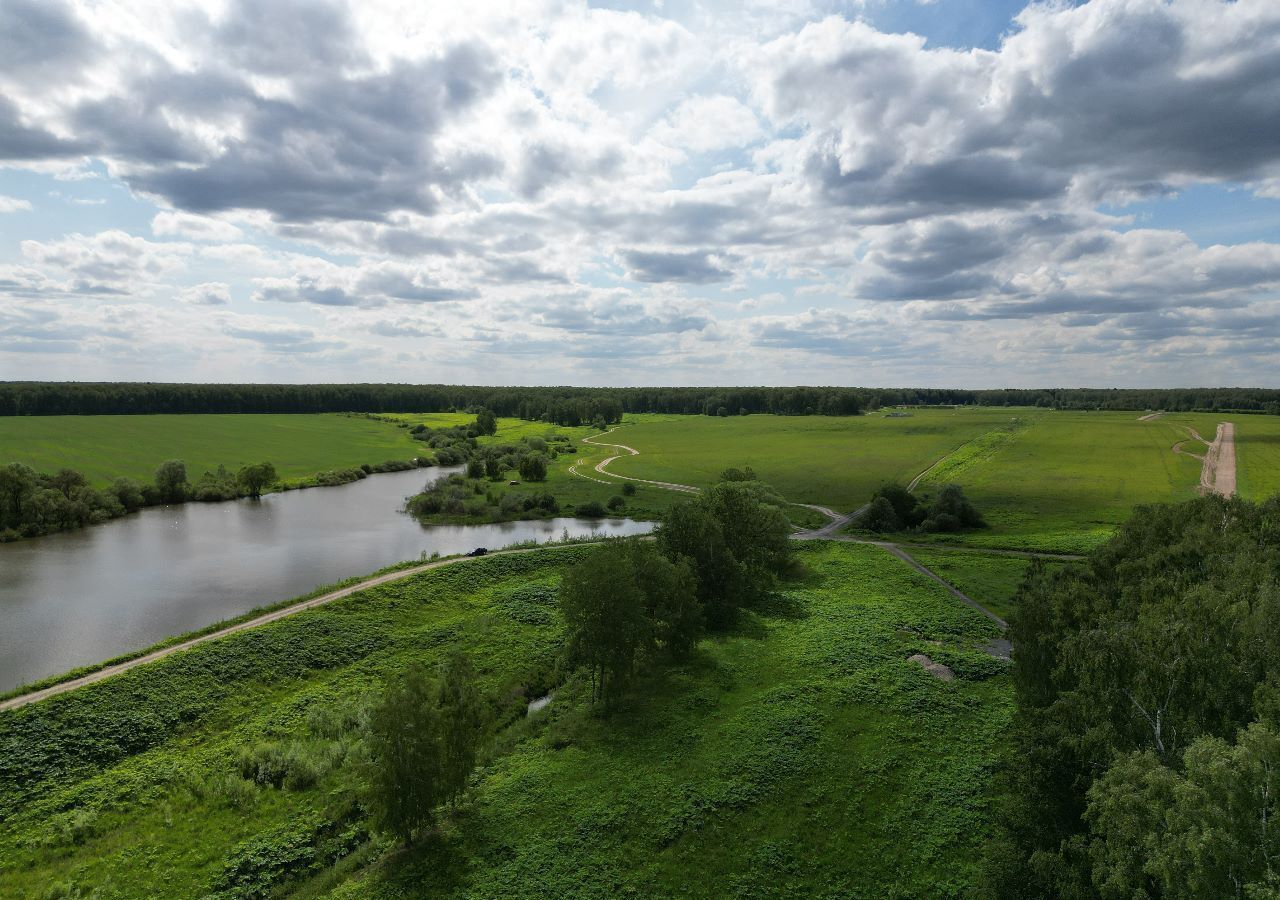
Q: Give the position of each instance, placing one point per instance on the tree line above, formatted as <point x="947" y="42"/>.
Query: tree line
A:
<point x="1144" y="758"/>
<point x="584" y="405"/>
<point x="34" y="503"/>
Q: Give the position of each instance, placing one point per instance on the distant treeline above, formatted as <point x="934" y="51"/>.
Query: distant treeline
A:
<point x="574" y="405"/>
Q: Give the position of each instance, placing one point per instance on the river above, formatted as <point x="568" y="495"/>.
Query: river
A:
<point x="77" y="598"/>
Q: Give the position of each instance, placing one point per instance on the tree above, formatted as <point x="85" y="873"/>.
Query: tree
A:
<point x="880" y="517"/>
<point x="1207" y="830"/>
<point x="952" y="504"/>
<point x="475" y="467"/>
<point x="486" y="422"/>
<point x="406" y="738"/>
<point x="17" y="484"/>
<point x="533" y="467"/>
<point x="171" y="481"/>
<point x="746" y="473"/>
<point x="66" y="480"/>
<point x="670" y="590"/>
<point x="463" y="721"/>
<point x="128" y="493"/>
<point x="254" y="478"/>
<point x="604" y="611"/>
<point x="493" y="467"/>
<point x="689" y="531"/>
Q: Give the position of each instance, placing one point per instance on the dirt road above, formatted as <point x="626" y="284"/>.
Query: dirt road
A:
<point x="1218" y="475"/>
<point x="275" y="615"/>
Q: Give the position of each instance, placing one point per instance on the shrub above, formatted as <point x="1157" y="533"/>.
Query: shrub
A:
<point x="592" y="509"/>
<point x="616" y="503"/>
<point x="629" y="489"/>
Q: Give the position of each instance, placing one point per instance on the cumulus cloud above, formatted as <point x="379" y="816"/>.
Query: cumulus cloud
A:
<point x="211" y="293"/>
<point x="197" y="228"/>
<point x="564" y="180"/>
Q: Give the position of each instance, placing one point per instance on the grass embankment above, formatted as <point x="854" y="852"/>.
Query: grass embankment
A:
<point x="833" y="461"/>
<point x="107" y="447"/>
<point x="801" y="754"/>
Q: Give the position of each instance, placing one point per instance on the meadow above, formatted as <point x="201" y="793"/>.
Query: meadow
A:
<point x="799" y="755"/>
<point x="833" y="461"/>
<point x="1063" y="482"/>
<point x="107" y="447"/>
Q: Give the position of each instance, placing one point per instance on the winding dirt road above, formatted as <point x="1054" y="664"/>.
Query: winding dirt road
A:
<point x="1218" y="464"/>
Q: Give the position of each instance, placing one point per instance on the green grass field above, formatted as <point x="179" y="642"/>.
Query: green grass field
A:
<point x="801" y="756"/>
<point x="991" y="580"/>
<point x="105" y="447"/>
<point x="1068" y="479"/>
<point x="836" y="462"/>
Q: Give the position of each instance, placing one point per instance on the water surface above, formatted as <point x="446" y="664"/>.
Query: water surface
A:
<point x="72" y="599"/>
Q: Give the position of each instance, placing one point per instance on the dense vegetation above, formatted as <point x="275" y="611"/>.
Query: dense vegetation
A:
<point x="1145" y="754"/>
<point x="574" y="406"/>
<point x="894" y="508"/>
<point x="798" y="750"/>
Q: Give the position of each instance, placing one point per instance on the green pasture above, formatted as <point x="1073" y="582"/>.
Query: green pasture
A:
<point x="833" y="461"/>
<point x="801" y="755"/>
<point x="106" y="447"/>
<point x="1257" y="448"/>
<point x="1068" y="479"/>
<point x="992" y="580"/>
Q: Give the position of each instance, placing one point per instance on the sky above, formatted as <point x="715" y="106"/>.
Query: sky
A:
<point x="963" y="193"/>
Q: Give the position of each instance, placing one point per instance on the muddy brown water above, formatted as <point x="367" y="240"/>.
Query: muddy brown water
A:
<point x="78" y="598"/>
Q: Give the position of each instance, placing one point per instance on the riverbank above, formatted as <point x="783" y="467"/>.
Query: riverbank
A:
<point x="74" y="599"/>
<point x="763" y="749"/>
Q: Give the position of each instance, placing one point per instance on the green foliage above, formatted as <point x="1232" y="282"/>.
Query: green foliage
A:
<point x="486" y="422"/>
<point x="406" y="783"/>
<point x="254" y="478"/>
<point x="592" y="509"/>
<point x="1165" y="637"/>
<point x="801" y="752"/>
<point x="605" y="621"/>
<point x="533" y="467"/>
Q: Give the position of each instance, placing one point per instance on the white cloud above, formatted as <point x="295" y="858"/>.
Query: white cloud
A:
<point x="13" y="204"/>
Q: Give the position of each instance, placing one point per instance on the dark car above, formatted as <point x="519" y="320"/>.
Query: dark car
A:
<point x="479" y="551"/>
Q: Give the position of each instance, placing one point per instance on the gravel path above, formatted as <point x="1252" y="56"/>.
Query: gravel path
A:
<point x="275" y="615"/>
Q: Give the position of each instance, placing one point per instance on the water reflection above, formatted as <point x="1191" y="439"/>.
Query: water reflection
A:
<point x="68" y="600"/>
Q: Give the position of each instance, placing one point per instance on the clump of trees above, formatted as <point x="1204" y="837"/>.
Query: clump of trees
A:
<point x="894" y="508"/>
<point x="1144" y="759"/>
<point x="34" y="503"/>
<point x="631" y="604"/>
<point x="425" y="737"/>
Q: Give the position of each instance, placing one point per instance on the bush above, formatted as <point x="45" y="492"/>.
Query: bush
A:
<point x="629" y="489"/>
<point x="616" y="503"/>
<point x="592" y="509"/>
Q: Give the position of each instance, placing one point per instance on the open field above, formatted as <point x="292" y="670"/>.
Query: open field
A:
<point x="834" y="461"/>
<point x="1257" y="448"/>
<point x="106" y="447"/>
<point x="991" y="580"/>
<point x="1068" y="479"/>
<point x="801" y="752"/>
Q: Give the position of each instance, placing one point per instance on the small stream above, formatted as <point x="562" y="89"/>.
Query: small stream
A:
<point x="77" y="598"/>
